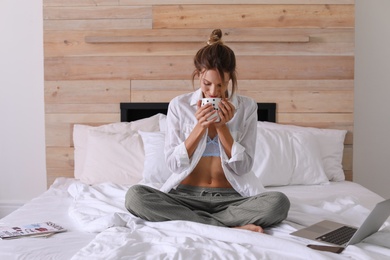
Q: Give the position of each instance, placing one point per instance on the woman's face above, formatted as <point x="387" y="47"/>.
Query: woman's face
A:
<point x="212" y="85"/>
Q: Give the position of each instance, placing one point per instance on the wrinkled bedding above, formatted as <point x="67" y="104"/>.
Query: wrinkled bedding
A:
<point x="99" y="227"/>
<point x="100" y="209"/>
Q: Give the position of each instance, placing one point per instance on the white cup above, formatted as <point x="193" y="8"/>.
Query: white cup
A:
<point x="214" y="102"/>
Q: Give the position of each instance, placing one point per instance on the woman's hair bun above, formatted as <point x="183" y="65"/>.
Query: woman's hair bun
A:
<point x="215" y="37"/>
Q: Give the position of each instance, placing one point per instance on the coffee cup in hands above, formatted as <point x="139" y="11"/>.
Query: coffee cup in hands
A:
<point x="215" y="103"/>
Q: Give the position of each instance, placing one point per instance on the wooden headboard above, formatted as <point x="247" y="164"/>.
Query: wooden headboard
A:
<point x="134" y="111"/>
<point x="291" y="62"/>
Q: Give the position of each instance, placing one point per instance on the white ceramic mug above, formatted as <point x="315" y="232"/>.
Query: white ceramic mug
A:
<point x="214" y="102"/>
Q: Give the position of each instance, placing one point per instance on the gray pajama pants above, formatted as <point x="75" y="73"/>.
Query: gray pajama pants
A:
<point x="214" y="206"/>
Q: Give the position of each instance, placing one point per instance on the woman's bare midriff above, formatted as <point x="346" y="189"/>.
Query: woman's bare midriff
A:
<point x="208" y="173"/>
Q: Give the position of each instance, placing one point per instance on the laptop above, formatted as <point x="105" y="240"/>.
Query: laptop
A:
<point x="333" y="233"/>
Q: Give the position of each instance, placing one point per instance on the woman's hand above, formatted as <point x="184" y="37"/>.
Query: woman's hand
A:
<point x="226" y="112"/>
<point x="203" y="113"/>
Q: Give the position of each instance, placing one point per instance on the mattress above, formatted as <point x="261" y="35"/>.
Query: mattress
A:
<point x="99" y="227"/>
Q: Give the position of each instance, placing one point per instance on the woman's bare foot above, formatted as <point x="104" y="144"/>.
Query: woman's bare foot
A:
<point x="252" y="227"/>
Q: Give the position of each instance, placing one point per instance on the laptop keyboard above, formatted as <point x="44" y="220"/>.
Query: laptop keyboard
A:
<point x="339" y="236"/>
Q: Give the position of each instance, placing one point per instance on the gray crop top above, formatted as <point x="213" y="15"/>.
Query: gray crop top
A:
<point x="212" y="147"/>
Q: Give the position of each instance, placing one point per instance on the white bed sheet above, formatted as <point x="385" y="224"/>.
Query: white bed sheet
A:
<point x="101" y="228"/>
<point x="52" y="205"/>
<point x="124" y="235"/>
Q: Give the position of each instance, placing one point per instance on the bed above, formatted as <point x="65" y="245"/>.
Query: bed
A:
<point x="302" y="162"/>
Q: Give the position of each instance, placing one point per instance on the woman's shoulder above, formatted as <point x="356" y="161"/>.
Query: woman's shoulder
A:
<point x="246" y="101"/>
<point x="245" y="98"/>
<point x="183" y="97"/>
<point x="187" y="99"/>
<point x="182" y="102"/>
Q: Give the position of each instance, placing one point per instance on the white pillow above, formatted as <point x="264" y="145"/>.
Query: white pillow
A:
<point x="113" y="158"/>
<point x="309" y="168"/>
<point x="284" y="158"/>
<point x="80" y="134"/>
<point x="163" y="122"/>
<point x="155" y="169"/>
<point x="273" y="163"/>
<point x="331" y="145"/>
<point x="80" y="141"/>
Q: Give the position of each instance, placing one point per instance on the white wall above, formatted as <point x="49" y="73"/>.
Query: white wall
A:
<point x="371" y="160"/>
<point x="22" y="140"/>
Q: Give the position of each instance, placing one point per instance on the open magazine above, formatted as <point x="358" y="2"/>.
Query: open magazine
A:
<point x="32" y="230"/>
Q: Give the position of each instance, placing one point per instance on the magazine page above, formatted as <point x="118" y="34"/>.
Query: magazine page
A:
<point x="36" y="229"/>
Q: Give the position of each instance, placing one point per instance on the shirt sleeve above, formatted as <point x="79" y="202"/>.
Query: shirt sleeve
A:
<point x="176" y="155"/>
<point x="244" y="146"/>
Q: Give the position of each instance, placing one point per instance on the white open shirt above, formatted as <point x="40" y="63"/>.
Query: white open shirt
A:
<point x="243" y="127"/>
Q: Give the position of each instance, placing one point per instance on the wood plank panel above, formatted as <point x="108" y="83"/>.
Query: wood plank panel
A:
<point x="288" y="101"/>
<point x="146" y="90"/>
<point x="60" y="157"/>
<point x="313" y="101"/>
<point x="302" y="85"/>
<point x="307" y="119"/>
<point x="86" y="92"/>
<point x="115" y="24"/>
<point x="82" y="108"/>
<point x="347" y="158"/>
<point x="256" y="67"/>
<point x="249" y="85"/>
<point x="256" y="39"/>
<point x="82" y="49"/>
<point x="57" y="133"/>
<point x="231" y="2"/>
<point x="294" y="49"/>
<point x="348" y="175"/>
<point x="162" y="85"/>
<point x="201" y="35"/>
<point x="54" y="173"/>
<point x="48" y="3"/>
<point x="349" y="135"/>
<point x="183" y="2"/>
<point x="287" y="16"/>
<point x="99" y="68"/>
<point x="296" y="67"/>
<point x="97" y="12"/>
<point x="153" y="96"/>
<point x="83" y="118"/>
<point x="322" y="42"/>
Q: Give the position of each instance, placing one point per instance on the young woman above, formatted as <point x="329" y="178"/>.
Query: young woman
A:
<point x="211" y="160"/>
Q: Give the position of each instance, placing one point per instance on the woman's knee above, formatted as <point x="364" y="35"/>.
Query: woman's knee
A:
<point x="133" y="199"/>
<point x="278" y="207"/>
<point x="281" y="204"/>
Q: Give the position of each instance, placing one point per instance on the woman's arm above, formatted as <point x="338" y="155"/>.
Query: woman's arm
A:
<point x="180" y="143"/>
<point x="202" y="113"/>
<point x="243" y="148"/>
<point x="225" y="139"/>
<point x="226" y="113"/>
<point x="193" y="139"/>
